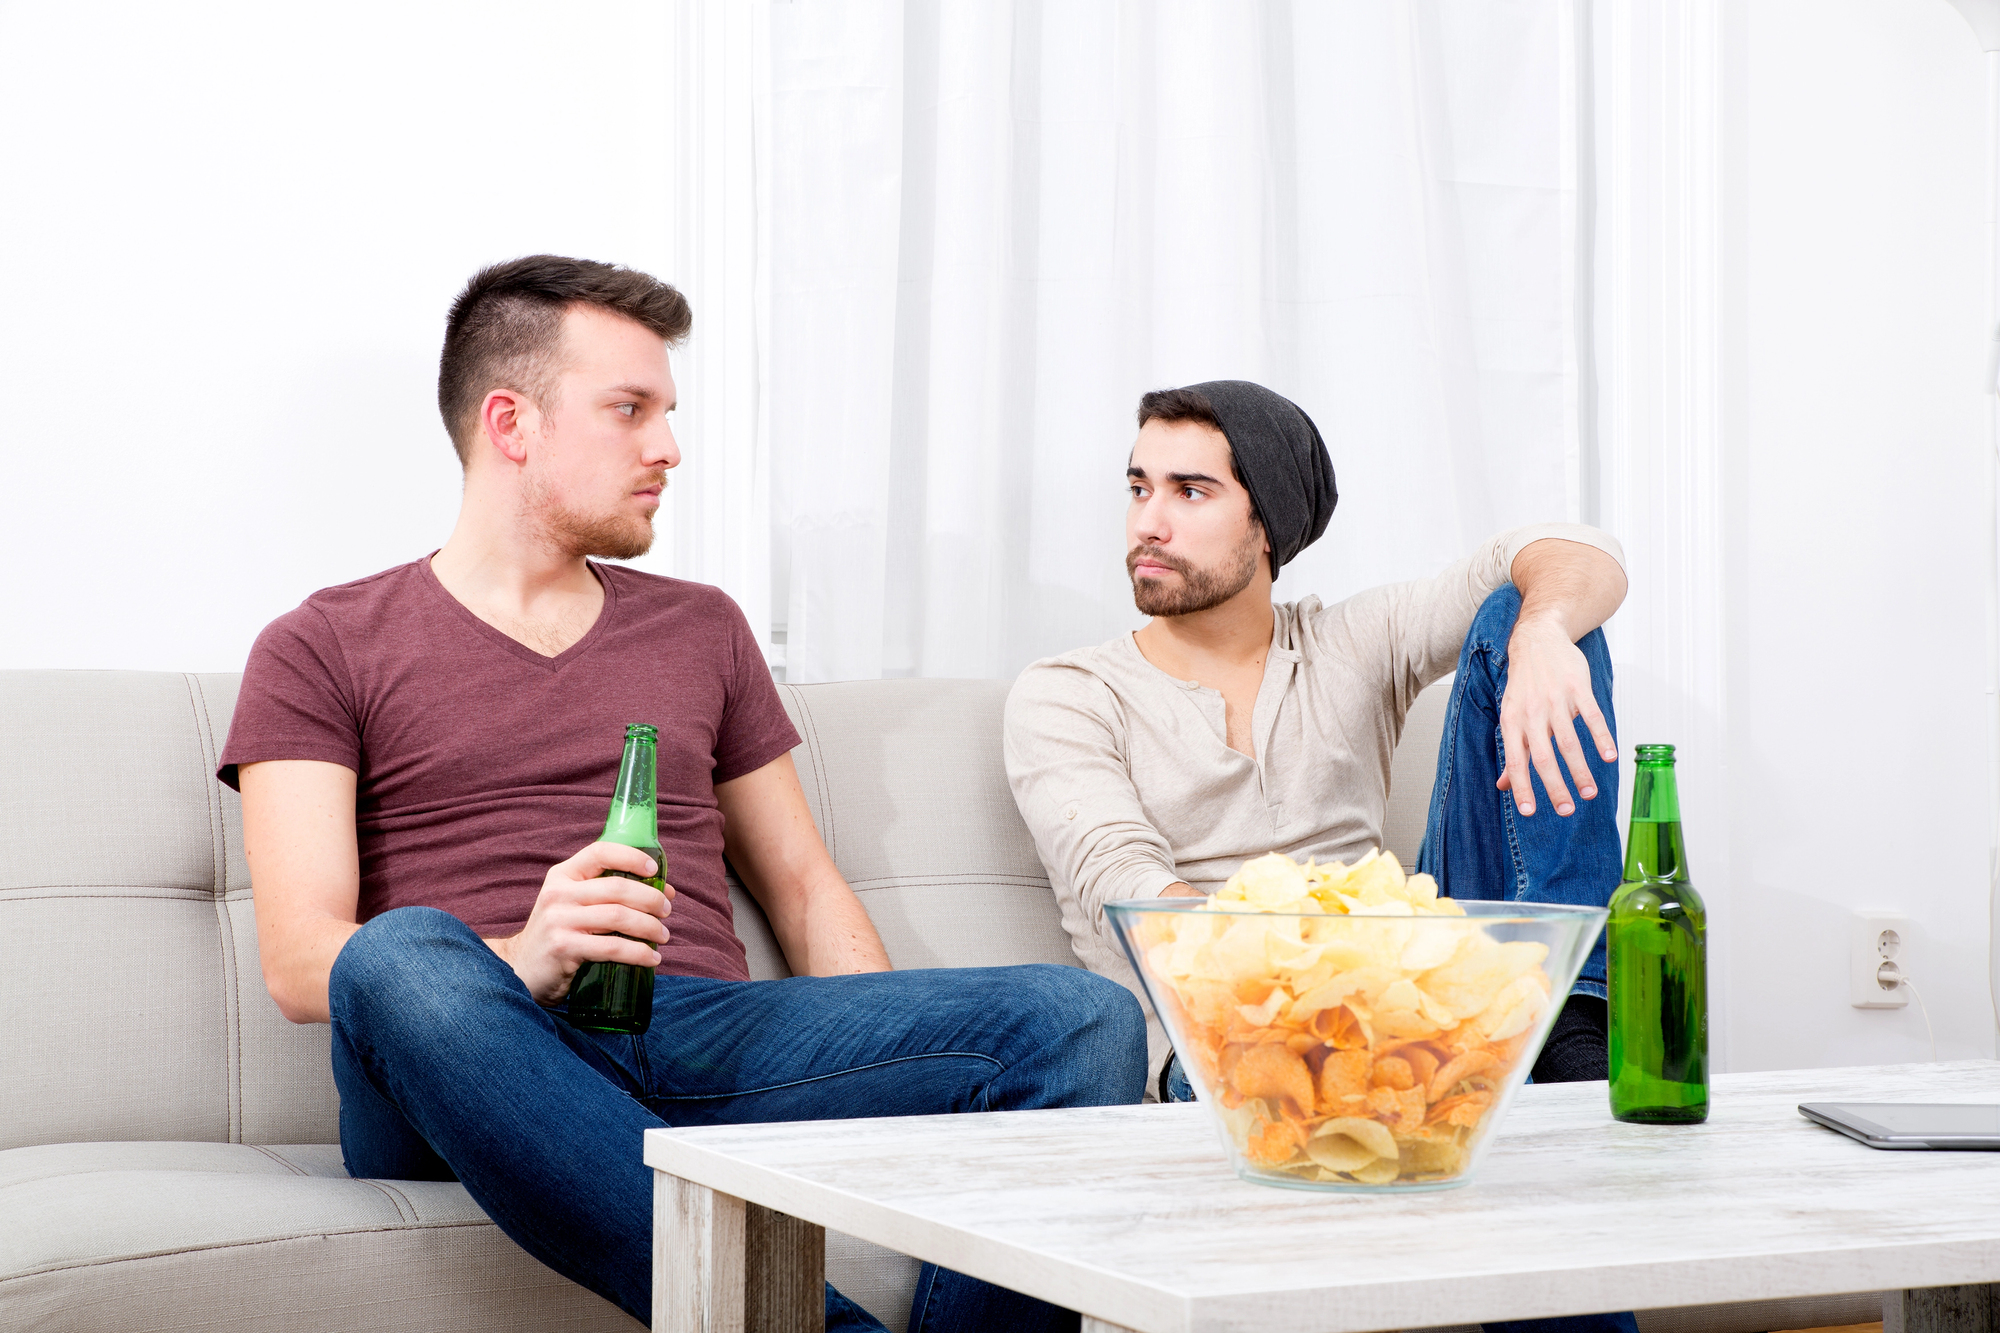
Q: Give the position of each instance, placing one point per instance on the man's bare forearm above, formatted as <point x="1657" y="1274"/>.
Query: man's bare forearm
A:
<point x="1568" y="586"/>
<point x="769" y="836"/>
<point x="831" y="934"/>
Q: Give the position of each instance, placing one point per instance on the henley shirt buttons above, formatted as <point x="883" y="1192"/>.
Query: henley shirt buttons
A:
<point x="1070" y="813"/>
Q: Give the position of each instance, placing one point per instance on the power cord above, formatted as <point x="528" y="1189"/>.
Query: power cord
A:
<point x="1890" y="976"/>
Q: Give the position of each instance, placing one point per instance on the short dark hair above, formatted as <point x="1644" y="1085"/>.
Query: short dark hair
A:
<point x="1189" y="405"/>
<point x="505" y="329"/>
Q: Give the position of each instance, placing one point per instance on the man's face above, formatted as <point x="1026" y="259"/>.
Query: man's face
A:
<point x="598" y="468"/>
<point x="1192" y="539"/>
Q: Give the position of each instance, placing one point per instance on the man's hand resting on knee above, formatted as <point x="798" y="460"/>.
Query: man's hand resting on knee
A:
<point x="1567" y="590"/>
<point x="579" y="916"/>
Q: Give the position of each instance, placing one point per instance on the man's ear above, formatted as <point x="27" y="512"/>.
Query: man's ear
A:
<point x="506" y="418"/>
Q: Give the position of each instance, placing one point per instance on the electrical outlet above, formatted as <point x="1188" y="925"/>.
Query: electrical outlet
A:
<point x="1879" y="937"/>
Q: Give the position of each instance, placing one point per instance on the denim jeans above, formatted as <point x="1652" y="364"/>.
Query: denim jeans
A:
<point x="1476" y="844"/>
<point x="448" y="1069"/>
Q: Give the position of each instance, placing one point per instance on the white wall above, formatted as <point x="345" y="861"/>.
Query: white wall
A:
<point x="230" y="236"/>
<point x="1857" y="544"/>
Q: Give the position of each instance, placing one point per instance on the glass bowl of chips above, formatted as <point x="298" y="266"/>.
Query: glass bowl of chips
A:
<point x="1348" y="1028"/>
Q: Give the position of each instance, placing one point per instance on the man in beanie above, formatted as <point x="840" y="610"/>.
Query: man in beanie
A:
<point x="1158" y="763"/>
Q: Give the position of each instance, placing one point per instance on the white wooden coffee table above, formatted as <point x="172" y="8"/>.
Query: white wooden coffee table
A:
<point x="1131" y="1215"/>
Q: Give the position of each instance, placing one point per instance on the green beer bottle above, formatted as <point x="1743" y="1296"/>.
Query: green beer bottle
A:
<point x="1656" y="947"/>
<point x="618" y="997"/>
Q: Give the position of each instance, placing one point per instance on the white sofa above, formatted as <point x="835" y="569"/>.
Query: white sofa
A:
<point x="168" y="1142"/>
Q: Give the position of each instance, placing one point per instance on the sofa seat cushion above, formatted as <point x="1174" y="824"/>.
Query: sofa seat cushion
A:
<point x="222" y="1236"/>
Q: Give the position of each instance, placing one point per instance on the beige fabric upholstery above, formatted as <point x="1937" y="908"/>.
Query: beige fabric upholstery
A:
<point x="113" y="829"/>
<point x="166" y="1137"/>
<point x="1412" y="771"/>
<point x="908" y="788"/>
<point x="221" y="1236"/>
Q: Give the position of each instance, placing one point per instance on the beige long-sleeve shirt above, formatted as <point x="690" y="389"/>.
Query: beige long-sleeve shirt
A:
<point x="1125" y="776"/>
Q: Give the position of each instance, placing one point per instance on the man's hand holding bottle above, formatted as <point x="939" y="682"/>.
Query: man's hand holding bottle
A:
<point x="581" y="915"/>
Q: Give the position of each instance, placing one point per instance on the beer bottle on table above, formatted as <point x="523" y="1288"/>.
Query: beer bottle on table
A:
<point x="618" y="997"/>
<point x="1656" y="947"/>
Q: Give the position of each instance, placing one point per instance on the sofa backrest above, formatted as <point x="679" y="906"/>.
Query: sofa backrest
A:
<point x="132" y="1006"/>
<point x="131" y="1002"/>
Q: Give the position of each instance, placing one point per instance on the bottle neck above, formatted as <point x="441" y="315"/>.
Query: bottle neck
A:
<point x="634" y="816"/>
<point x="1654" y="849"/>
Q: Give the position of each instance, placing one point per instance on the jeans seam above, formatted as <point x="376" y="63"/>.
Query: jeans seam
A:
<point x="818" y="1078"/>
<point x="1442" y="796"/>
<point x="642" y="1068"/>
<point x="920" y="1308"/>
<point x="1518" y="866"/>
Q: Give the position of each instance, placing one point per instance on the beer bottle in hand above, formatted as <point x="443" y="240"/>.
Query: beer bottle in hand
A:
<point x="618" y="997"/>
<point x="1656" y="947"/>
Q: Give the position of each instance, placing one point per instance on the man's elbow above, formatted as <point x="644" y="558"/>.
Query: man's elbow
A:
<point x="298" y="1003"/>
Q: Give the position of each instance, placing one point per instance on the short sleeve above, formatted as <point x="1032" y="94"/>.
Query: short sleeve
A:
<point x="296" y="701"/>
<point x="754" y="728"/>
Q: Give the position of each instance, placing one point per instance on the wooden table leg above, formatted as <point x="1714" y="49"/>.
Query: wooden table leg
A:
<point x="721" y="1265"/>
<point x="1974" y="1309"/>
<point x="1093" y="1325"/>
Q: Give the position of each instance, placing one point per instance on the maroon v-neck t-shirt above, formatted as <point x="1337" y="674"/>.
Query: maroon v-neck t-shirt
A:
<point x="481" y="763"/>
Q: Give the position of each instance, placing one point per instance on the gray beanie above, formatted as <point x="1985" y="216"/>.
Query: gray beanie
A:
<point x="1282" y="460"/>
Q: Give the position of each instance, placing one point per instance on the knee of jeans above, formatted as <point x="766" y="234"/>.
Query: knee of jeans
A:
<point x="1496" y="615"/>
<point x="379" y="960"/>
<point x="1098" y="1020"/>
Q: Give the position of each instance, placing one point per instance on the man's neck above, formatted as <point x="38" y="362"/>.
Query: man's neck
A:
<point x="1231" y="637"/>
<point x="516" y="580"/>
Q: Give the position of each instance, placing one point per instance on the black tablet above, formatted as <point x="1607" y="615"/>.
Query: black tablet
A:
<point x="1944" y="1125"/>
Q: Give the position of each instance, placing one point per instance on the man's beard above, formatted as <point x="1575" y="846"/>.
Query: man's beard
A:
<point x="610" y="536"/>
<point x="1199" y="589"/>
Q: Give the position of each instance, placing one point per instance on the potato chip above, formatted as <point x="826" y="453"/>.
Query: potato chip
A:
<point x="1433" y="1156"/>
<point x="1379" y="1172"/>
<point x="1273" y="1072"/>
<point x="1337" y="1152"/>
<point x="1368" y="1133"/>
<point x="1422" y="1060"/>
<point x="1344" y="1074"/>
<point x="1461" y="1067"/>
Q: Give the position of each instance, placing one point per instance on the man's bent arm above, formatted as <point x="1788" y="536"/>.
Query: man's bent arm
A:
<point x="772" y="842"/>
<point x="305" y="874"/>
<point x="1567" y="590"/>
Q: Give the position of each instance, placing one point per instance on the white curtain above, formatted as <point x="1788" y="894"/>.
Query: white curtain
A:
<point x="986" y="227"/>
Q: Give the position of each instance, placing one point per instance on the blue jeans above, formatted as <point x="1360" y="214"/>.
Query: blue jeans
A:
<point x="1476" y="844"/>
<point x="448" y="1069"/>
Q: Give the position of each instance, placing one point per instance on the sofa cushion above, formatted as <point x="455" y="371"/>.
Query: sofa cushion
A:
<point x="217" y="1236"/>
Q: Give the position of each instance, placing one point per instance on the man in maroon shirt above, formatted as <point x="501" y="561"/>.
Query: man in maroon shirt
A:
<point x="425" y="758"/>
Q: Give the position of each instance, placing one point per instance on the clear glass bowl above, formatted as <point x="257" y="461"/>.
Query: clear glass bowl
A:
<point x="1365" y="1052"/>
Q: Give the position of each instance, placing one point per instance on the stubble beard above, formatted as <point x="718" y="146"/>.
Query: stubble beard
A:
<point x="1198" y="589"/>
<point x="608" y="536"/>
